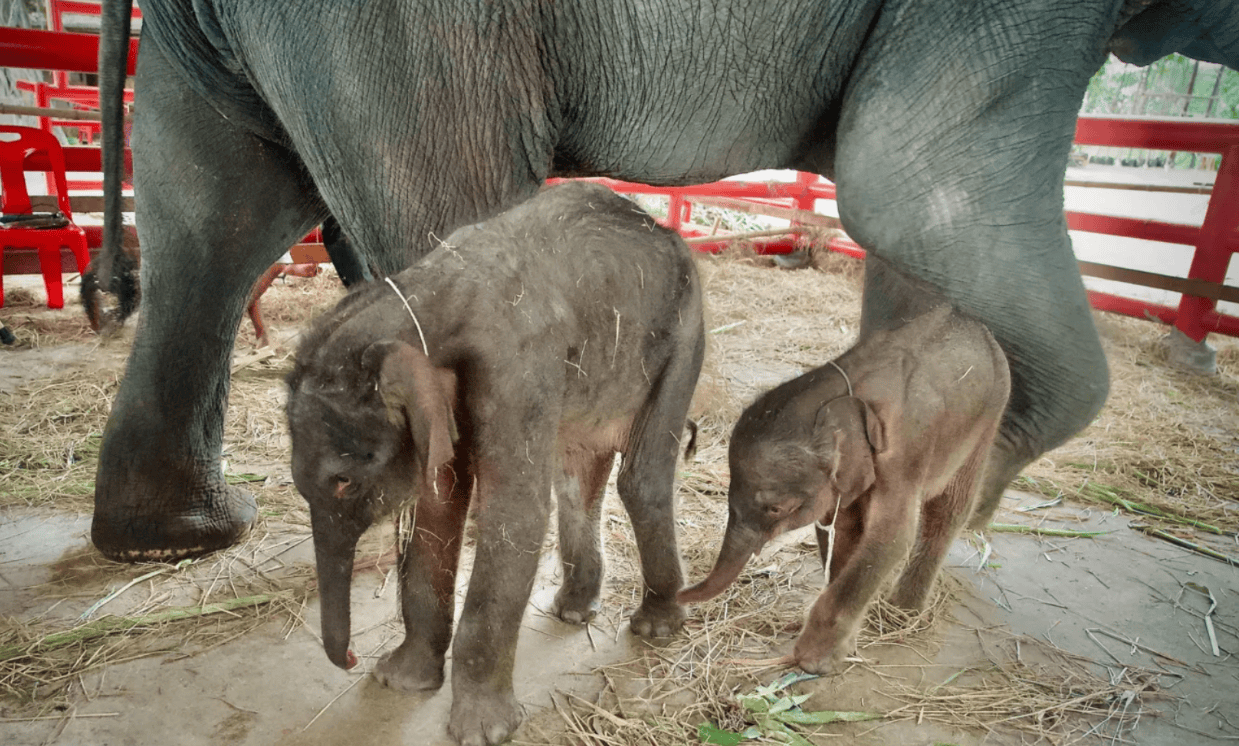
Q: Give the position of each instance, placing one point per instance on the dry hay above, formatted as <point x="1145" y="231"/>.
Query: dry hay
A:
<point x="50" y="436"/>
<point x="725" y="651"/>
<point x="100" y="613"/>
<point x="1054" y="696"/>
<point x="36" y="326"/>
<point x="1167" y="438"/>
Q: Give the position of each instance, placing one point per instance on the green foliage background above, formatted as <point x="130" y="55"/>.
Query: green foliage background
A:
<point x="1116" y="89"/>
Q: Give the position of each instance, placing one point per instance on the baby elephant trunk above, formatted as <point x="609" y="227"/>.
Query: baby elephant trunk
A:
<point x="739" y="543"/>
<point x="333" y="553"/>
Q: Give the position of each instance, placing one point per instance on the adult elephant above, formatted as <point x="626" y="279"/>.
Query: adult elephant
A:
<point x="946" y="127"/>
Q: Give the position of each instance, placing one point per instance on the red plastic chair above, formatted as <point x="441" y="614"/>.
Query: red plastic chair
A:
<point x="17" y="144"/>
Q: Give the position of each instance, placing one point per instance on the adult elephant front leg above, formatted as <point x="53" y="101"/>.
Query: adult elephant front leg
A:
<point x="952" y="151"/>
<point x="215" y="206"/>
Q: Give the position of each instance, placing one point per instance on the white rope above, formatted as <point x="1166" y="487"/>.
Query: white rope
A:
<point x="830" y="530"/>
<point x="416" y="323"/>
<point x="830" y="541"/>
<point x="846" y="380"/>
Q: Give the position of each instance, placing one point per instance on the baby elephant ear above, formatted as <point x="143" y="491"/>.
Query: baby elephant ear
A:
<point x="418" y="396"/>
<point x="847" y="434"/>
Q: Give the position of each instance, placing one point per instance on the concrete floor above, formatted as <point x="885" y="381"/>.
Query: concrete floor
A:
<point x="273" y="687"/>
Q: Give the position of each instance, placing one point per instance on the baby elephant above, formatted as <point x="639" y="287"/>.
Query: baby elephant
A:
<point x="892" y="434"/>
<point x="525" y="350"/>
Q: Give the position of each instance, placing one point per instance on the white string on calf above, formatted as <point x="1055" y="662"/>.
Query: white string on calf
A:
<point x="409" y="308"/>
<point x="846" y="380"/>
<point x="830" y="529"/>
<point x="830" y="542"/>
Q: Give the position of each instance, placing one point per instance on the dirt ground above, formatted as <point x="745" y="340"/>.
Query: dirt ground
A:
<point x="1034" y="638"/>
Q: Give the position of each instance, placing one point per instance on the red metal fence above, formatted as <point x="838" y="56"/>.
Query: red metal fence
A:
<point x="1214" y="242"/>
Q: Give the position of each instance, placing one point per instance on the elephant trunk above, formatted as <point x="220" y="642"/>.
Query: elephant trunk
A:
<point x="333" y="554"/>
<point x="739" y="543"/>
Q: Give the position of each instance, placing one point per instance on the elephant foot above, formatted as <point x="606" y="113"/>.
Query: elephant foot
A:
<point x="821" y="650"/>
<point x="155" y="529"/>
<point x="657" y="618"/>
<point x="483" y="718"/>
<point x="909" y="601"/>
<point x="408" y="670"/>
<point x="575" y="607"/>
<point x="911" y="596"/>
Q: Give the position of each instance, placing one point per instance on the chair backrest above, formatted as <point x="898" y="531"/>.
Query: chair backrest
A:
<point x="17" y="145"/>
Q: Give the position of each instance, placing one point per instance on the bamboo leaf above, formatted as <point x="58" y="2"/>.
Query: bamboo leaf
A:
<point x="117" y="624"/>
<point x="1012" y="528"/>
<point x="710" y="733"/>
<point x="754" y="703"/>
<point x="822" y="717"/>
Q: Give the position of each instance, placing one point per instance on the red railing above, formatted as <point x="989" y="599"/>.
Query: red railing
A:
<point x="1214" y="242"/>
<point x="54" y="50"/>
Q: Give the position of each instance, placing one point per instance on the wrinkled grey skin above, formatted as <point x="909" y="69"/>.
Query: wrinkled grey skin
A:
<point x="559" y="333"/>
<point x="946" y="127"/>
<point x="348" y="263"/>
<point x="894" y="466"/>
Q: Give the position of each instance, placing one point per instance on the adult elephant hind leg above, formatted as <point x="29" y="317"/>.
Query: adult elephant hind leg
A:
<point x="954" y="175"/>
<point x="579" y="489"/>
<point x="216" y="206"/>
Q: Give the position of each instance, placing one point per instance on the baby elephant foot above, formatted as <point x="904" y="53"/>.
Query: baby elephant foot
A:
<point x="822" y="651"/>
<point x="819" y="662"/>
<point x="910" y="598"/>
<point x="408" y="670"/>
<point x="575" y="608"/>
<point x="657" y="618"/>
<point x="483" y="719"/>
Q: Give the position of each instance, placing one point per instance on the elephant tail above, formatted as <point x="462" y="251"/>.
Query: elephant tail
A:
<point x="114" y="271"/>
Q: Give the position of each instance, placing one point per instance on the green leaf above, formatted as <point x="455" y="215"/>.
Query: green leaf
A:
<point x="243" y="478"/>
<point x="710" y="733"/>
<point x="781" y="732"/>
<point x="793" y="677"/>
<point x="780" y="705"/>
<point x="784" y="704"/>
<point x="754" y="703"/>
<point x="822" y="717"/>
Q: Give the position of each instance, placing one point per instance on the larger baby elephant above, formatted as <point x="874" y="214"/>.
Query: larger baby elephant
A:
<point x="892" y="434"/>
<point x="525" y="350"/>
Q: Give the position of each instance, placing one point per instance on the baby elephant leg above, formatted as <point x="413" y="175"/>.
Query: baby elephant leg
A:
<point x="942" y="517"/>
<point x="836" y="616"/>
<point x="428" y="562"/>
<point x="579" y="487"/>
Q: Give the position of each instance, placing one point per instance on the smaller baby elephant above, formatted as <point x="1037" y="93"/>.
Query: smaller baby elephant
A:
<point x="524" y="351"/>
<point x="891" y="435"/>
